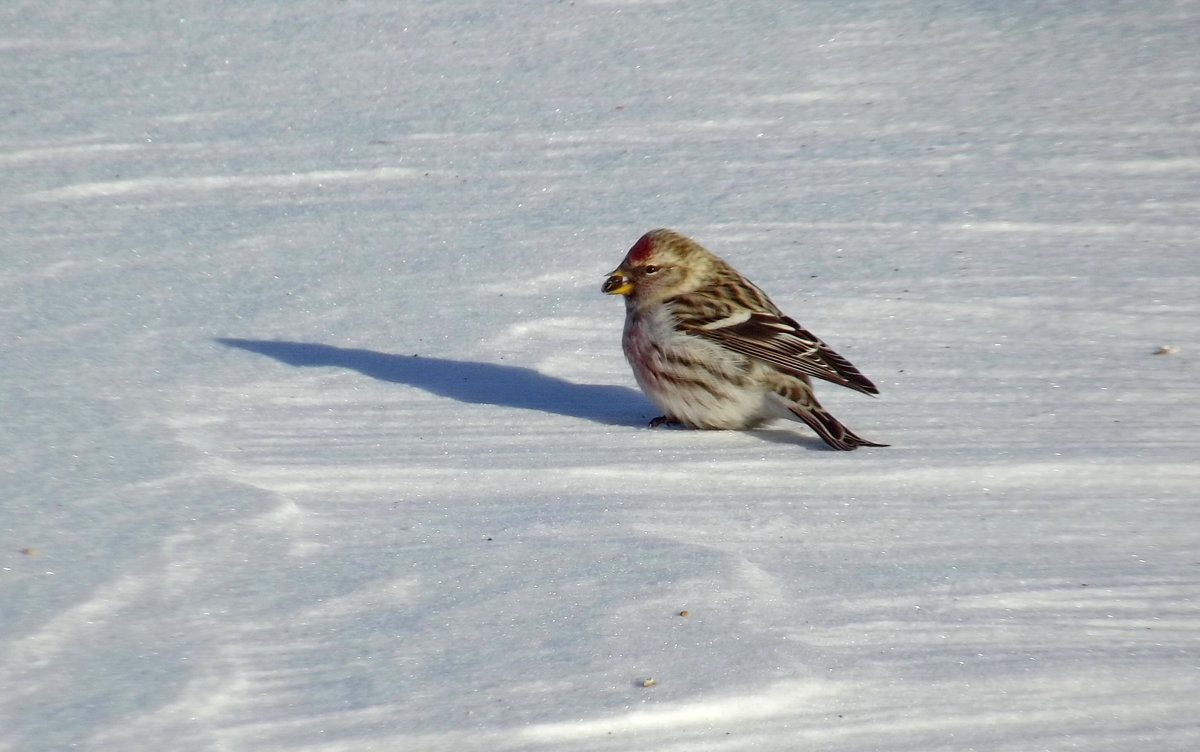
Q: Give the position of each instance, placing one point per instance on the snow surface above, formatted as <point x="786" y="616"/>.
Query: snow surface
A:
<point x="317" y="435"/>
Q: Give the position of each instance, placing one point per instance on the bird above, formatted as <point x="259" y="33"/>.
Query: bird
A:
<point x="712" y="351"/>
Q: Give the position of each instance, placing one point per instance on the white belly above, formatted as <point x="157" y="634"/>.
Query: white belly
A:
<point x="694" y="380"/>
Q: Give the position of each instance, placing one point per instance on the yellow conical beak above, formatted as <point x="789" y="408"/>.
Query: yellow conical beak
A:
<point x="617" y="284"/>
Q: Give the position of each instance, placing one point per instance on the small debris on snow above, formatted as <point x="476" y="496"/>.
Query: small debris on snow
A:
<point x="1167" y="350"/>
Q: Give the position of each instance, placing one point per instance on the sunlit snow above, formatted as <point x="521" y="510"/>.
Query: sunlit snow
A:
<point x="318" y="436"/>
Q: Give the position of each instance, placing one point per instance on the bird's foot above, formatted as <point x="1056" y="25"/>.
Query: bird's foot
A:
<point x="663" y="420"/>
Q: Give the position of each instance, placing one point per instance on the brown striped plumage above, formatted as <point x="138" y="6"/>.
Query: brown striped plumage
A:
<point x="711" y="349"/>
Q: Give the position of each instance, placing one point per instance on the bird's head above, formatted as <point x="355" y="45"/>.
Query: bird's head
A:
<point x="660" y="265"/>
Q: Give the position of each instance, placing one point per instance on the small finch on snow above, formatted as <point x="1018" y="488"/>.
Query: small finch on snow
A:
<point x="712" y="350"/>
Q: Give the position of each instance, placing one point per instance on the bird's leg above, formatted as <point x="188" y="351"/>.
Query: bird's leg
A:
<point x="663" y="420"/>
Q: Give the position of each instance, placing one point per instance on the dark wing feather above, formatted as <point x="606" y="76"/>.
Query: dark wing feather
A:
<point x="783" y="343"/>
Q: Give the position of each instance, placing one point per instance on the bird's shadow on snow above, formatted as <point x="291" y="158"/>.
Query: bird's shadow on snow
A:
<point x="467" y="381"/>
<point x="789" y="437"/>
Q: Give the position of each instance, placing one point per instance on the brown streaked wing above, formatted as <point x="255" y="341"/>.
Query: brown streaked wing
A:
<point x="786" y="345"/>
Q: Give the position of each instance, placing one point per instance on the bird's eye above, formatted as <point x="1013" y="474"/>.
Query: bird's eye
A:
<point x="650" y="269"/>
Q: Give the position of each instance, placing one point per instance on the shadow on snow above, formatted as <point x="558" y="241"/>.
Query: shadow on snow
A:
<point x="467" y="381"/>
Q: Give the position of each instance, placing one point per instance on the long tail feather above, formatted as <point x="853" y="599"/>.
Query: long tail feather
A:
<point x="830" y="429"/>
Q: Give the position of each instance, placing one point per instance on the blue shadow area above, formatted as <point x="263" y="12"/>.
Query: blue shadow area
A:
<point x="467" y="381"/>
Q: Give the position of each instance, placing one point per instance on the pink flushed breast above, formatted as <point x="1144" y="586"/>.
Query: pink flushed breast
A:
<point x="641" y="352"/>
